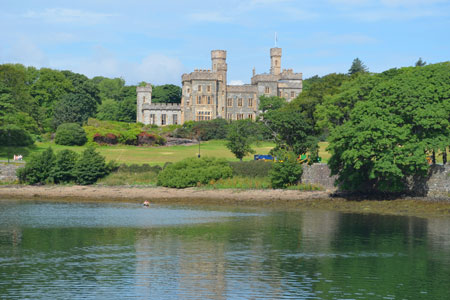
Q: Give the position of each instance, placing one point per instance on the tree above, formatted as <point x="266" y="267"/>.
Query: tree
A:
<point x="420" y="62"/>
<point x="78" y="105"/>
<point x="291" y="131"/>
<point x="108" y="110"/>
<point x="286" y="170"/>
<point x="357" y="67"/>
<point x="70" y="134"/>
<point x="167" y="93"/>
<point x="240" y="137"/>
<point x="90" y="167"/>
<point x="38" y="169"/>
<point x="271" y="103"/>
<point x="13" y="136"/>
<point x="64" y="166"/>
<point x="387" y="135"/>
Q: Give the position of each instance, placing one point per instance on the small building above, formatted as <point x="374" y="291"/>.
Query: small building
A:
<point x="155" y="113"/>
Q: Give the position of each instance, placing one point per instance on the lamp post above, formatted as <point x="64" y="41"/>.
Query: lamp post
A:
<point x="198" y="147"/>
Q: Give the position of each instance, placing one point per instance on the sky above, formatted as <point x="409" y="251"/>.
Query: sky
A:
<point x="158" y="41"/>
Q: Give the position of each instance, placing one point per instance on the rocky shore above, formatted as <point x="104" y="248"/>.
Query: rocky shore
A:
<point x="324" y="200"/>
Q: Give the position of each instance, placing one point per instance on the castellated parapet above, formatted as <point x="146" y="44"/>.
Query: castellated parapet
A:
<point x="206" y="95"/>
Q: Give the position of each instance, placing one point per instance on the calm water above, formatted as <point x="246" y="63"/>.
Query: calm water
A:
<point x="125" y="251"/>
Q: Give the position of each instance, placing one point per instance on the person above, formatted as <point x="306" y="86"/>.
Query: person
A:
<point x="146" y="203"/>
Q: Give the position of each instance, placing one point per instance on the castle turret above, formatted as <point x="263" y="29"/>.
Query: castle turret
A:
<point x="144" y="95"/>
<point x="219" y="60"/>
<point x="275" y="61"/>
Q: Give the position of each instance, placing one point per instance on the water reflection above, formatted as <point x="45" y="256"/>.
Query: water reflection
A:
<point x="121" y="251"/>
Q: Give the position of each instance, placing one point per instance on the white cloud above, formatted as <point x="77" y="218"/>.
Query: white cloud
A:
<point x="65" y="15"/>
<point x="235" y="82"/>
<point x="157" y="69"/>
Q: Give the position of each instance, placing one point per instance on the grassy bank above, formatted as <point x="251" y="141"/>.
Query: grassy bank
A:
<point x="156" y="155"/>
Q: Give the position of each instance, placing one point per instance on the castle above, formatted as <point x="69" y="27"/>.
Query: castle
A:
<point x="206" y="95"/>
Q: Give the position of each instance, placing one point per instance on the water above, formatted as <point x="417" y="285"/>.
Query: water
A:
<point x="125" y="251"/>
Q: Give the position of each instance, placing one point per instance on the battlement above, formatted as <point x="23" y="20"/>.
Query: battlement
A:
<point x="219" y="54"/>
<point x="264" y="78"/>
<point x="288" y="74"/>
<point x="200" y="75"/>
<point x="161" y="106"/>
<point x="275" y="52"/>
<point x="147" y="88"/>
<point x="246" y="88"/>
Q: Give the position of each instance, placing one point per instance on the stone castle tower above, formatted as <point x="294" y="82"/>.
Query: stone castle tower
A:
<point x="206" y="95"/>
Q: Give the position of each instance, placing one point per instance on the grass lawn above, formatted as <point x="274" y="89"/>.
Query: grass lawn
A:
<point x="150" y="155"/>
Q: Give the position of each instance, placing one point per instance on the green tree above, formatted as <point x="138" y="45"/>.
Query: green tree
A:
<point x="240" y="137"/>
<point x="38" y="169"/>
<point x="286" y="171"/>
<point x="271" y="103"/>
<point x="90" y="167"/>
<point x="167" y="93"/>
<point x="290" y="131"/>
<point x="108" y="110"/>
<point x="420" y="62"/>
<point x="70" y="134"/>
<point x="63" y="169"/>
<point x="387" y="136"/>
<point x="78" y="105"/>
<point x="357" y="67"/>
<point x="13" y="136"/>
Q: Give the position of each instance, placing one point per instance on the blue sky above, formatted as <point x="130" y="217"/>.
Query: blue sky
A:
<point x="157" y="41"/>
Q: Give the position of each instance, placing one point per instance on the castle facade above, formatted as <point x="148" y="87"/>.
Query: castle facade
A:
<point x="206" y="95"/>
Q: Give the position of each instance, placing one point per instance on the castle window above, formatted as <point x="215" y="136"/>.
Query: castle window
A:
<point x="152" y="119"/>
<point x="163" y="119"/>
<point x="175" y="119"/>
<point x="267" y="90"/>
<point x="199" y="88"/>
<point x="292" y="94"/>
<point x="229" y="102"/>
<point x="239" y="116"/>
<point x="203" y="115"/>
<point x="240" y="102"/>
<point x="250" y="116"/>
<point x="223" y="108"/>
<point x="280" y="94"/>
<point x="188" y="90"/>
<point x="199" y="99"/>
<point x="144" y="99"/>
<point x="250" y="102"/>
<point x="209" y="99"/>
<point x="230" y="116"/>
<point x="276" y="62"/>
<point x="208" y="89"/>
<point x="204" y="99"/>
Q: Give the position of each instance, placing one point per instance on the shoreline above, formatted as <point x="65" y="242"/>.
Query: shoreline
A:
<point x="290" y="199"/>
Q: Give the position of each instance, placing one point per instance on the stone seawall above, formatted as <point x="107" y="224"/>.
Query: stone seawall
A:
<point x="435" y="185"/>
<point x="318" y="174"/>
<point x="8" y="171"/>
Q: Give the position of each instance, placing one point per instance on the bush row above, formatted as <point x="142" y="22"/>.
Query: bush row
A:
<point x="65" y="166"/>
<point x="194" y="171"/>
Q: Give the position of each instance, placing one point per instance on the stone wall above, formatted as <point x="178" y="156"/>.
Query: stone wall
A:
<point x="8" y="171"/>
<point x="318" y="174"/>
<point x="435" y="185"/>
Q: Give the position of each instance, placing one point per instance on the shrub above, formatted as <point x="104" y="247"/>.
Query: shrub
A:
<point x="64" y="166"/>
<point x="253" y="168"/>
<point x="90" y="167"/>
<point x="14" y="136"/>
<point x="285" y="172"/>
<point x="70" y="134"/>
<point x="38" y="169"/>
<point x="145" y="138"/>
<point x="194" y="171"/>
<point x="108" y="138"/>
